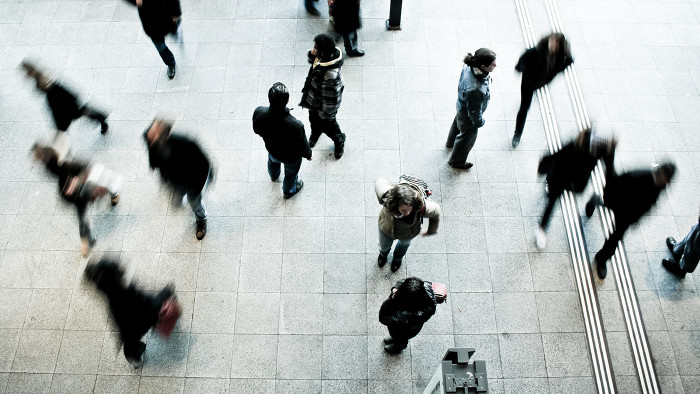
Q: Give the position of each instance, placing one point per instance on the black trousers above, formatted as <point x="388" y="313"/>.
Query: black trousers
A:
<point x="329" y="127"/>
<point x="527" y="90"/>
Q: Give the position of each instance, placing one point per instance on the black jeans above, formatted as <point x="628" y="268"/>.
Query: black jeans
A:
<point x="552" y="197"/>
<point x="526" y="93"/>
<point x="329" y="127"/>
<point x="164" y="52"/>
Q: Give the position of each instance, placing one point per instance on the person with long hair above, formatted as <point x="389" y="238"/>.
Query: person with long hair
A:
<point x="410" y="304"/>
<point x="473" y="94"/>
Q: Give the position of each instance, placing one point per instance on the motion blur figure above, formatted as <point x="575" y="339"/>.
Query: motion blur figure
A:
<point x="410" y="304"/>
<point x="539" y="65"/>
<point x="686" y="253"/>
<point x="182" y="165"/>
<point x="345" y="18"/>
<point x="80" y="184"/>
<point x="629" y="196"/>
<point x="160" y="18"/>
<point x="62" y="102"/>
<point x="570" y="168"/>
<point x="134" y="311"/>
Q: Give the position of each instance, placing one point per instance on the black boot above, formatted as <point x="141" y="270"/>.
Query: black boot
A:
<point x="395" y="265"/>
<point x="340" y="147"/>
<point x="381" y="259"/>
<point x="673" y="267"/>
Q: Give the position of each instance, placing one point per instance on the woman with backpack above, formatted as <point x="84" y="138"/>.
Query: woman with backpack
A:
<point x="404" y="207"/>
<point x="410" y="304"/>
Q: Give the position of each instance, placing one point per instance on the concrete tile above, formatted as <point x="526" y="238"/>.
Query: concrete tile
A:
<point x="428" y="351"/>
<point x="166" y="357"/>
<point x="37" y="351"/>
<point x="67" y="383"/>
<point x="487" y="349"/>
<point x="14" y="307"/>
<point x="178" y="269"/>
<point x="686" y="350"/>
<point x="499" y="229"/>
<point x="382" y="365"/>
<point x="690" y="383"/>
<point x="299" y="386"/>
<point x="301" y="313"/>
<point x="344" y="386"/>
<point x="262" y="235"/>
<point x="344" y="273"/>
<point x="512" y="346"/>
<point x="344" y="235"/>
<point x="112" y="360"/>
<point x="202" y="385"/>
<point x="551" y="272"/>
<point x="224" y="234"/>
<point x="218" y="272"/>
<point x="108" y="384"/>
<point x="257" y="313"/>
<point x="563" y="354"/>
<point x="253" y="266"/>
<point x="464" y="234"/>
<point x="510" y="272"/>
<point x="679" y="309"/>
<point x="303" y="235"/>
<point x="9" y="338"/>
<point x="28" y="383"/>
<point x="469" y="273"/>
<point x="302" y="268"/>
<point x="80" y="352"/>
<point x="214" y="312"/>
<point x="161" y="384"/>
<point x="344" y="357"/>
<point x="344" y="314"/>
<point x="469" y="319"/>
<point x="88" y="311"/>
<point x="525" y="385"/>
<point x="516" y="312"/>
<point x="299" y="357"/>
<point x="254" y="356"/>
<point x="559" y="312"/>
<point x="210" y="355"/>
<point x="660" y="346"/>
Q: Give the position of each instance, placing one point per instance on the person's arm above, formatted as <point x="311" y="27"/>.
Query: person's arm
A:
<point x="174" y="10"/>
<point x="331" y="92"/>
<point x="432" y="212"/>
<point x="381" y="187"/>
<point x="390" y="316"/>
<point x="474" y="100"/>
<point x="305" y="147"/>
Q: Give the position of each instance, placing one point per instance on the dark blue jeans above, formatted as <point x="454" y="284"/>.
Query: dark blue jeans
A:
<point x="289" y="185"/>
<point x="164" y="52"/>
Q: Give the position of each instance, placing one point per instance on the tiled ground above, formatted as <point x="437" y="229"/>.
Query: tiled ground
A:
<point x="282" y="295"/>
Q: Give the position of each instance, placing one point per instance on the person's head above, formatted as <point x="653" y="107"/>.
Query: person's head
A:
<point x="663" y="174"/>
<point x="402" y="200"/>
<point x="43" y="82"/>
<point x="44" y="154"/>
<point x="324" y="46"/>
<point x="556" y="43"/>
<point x="159" y="131"/>
<point x="411" y="292"/>
<point x="107" y="275"/>
<point x="278" y="96"/>
<point x="484" y="59"/>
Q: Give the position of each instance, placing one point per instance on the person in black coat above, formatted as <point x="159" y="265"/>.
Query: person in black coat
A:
<point x="133" y="311"/>
<point x="539" y="65"/>
<point x="62" y="102"/>
<point x="410" y="304"/>
<point x="182" y="165"/>
<point x="285" y="139"/>
<point x="570" y="168"/>
<point x="629" y="196"/>
<point x="345" y="18"/>
<point x="160" y="18"/>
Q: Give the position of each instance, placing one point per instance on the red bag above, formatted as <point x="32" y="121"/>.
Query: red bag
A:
<point x="440" y="292"/>
<point x="170" y="311"/>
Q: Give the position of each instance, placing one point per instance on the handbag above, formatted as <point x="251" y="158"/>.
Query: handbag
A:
<point x="440" y="292"/>
<point x="168" y="315"/>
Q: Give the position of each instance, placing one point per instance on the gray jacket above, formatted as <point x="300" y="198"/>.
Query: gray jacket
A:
<point x="473" y="96"/>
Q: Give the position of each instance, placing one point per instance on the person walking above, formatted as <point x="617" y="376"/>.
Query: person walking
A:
<point x="134" y="311"/>
<point x="404" y="206"/>
<point x="62" y="102"/>
<point x="686" y="253"/>
<point x="285" y="139"/>
<point x="323" y="92"/>
<point x="629" y="196"/>
<point x="183" y="165"/>
<point x="473" y="94"/>
<point x="80" y="185"/>
<point x="160" y="18"/>
<point x="539" y="65"/>
<point x="410" y="304"/>
<point x="570" y="168"/>
<point x="345" y="18"/>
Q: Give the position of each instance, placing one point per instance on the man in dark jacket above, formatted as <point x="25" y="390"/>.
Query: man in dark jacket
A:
<point x="410" y="304"/>
<point x="345" y="18"/>
<point x="182" y="165"/>
<point x="323" y="92"/>
<point x="539" y="65"/>
<point x="133" y="311"/>
<point x="686" y="253"/>
<point x="160" y="18"/>
<point x="628" y="196"/>
<point x="285" y="139"/>
<point x="62" y="102"/>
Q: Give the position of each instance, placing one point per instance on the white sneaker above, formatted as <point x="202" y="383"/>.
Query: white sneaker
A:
<point x="540" y="238"/>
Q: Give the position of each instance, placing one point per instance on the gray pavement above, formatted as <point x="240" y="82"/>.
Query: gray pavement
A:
<point x="282" y="295"/>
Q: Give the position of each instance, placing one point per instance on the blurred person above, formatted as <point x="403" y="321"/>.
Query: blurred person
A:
<point x="160" y="18"/>
<point x="629" y="196"/>
<point x="182" y="165"/>
<point x="570" y="168"/>
<point x="62" y="102"/>
<point x="539" y="65"/>
<point x="403" y="208"/>
<point x="80" y="184"/>
<point x="311" y="8"/>
<point x="345" y="18"/>
<point x="686" y="253"/>
<point x="285" y="139"/>
<point x="473" y="94"/>
<point x="323" y="92"/>
<point x="134" y="311"/>
<point x="410" y="304"/>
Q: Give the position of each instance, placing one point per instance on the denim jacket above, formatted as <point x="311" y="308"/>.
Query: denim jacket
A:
<point x="472" y="96"/>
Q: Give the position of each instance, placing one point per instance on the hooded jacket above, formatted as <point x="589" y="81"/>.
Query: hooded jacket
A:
<point x="473" y="95"/>
<point x="323" y="88"/>
<point x="283" y="134"/>
<point x="157" y="17"/>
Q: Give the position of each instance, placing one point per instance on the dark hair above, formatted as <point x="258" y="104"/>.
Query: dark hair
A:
<point x="412" y="293"/>
<point x="105" y="274"/>
<point x="564" y="48"/>
<point x="667" y="170"/>
<point x="325" y="44"/>
<point x="45" y="154"/>
<point x="402" y="194"/>
<point x="278" y="95"/>
<point x="482" y="57"/>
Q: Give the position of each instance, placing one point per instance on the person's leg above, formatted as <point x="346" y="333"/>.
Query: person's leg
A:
<point x="332" y="129"/>
<point x="316" y="124"/>
<point x="350" y="42"/>
<point x="198" y="207"/>
<point x="291" y="171"/>
<point x="164" y="52"/>
<point x="454" y="130"/>
<point x="97" y="116"/>
<point x="273" y="167"/>
<point x="385" y="243"/>
<point x="608" y="249"/>
<point x="86" y="237"/>
<point x="133" y="351"/>
<point x="551" y="200"/>
<point x="526" y="93"/>
<point x="679" y="248"/>
<point x="401" y="248"/>
<point x="464" y="142"/>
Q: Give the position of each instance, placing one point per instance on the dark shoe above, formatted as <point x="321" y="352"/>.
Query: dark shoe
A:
<point x="670" y="243"/>
<point x="381" y="259"/>
<point x="388" y="340"/>
<point x="673" y="267"/>
<point x="356" y="53"/>
<point x="391" y="349"/>
<point x="602" y="269"/>
<point x="516" y="140"/>
<point x="300" y="184"/>
<point x="115" y="199"/>
<point x="136" y="363"/>
<point x="463" y="166"/>
<point x="104" y="128"/>
<point x="313" y="141"/>
<point x="339" y="149"/>
<point x="201" y="229"/>
<point x="590" y="206"/>
<point x="171" y="71"/>
<point x="395" y="265"/>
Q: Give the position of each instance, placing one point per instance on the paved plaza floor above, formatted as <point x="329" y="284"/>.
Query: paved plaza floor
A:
<point x="282" y="296"/>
